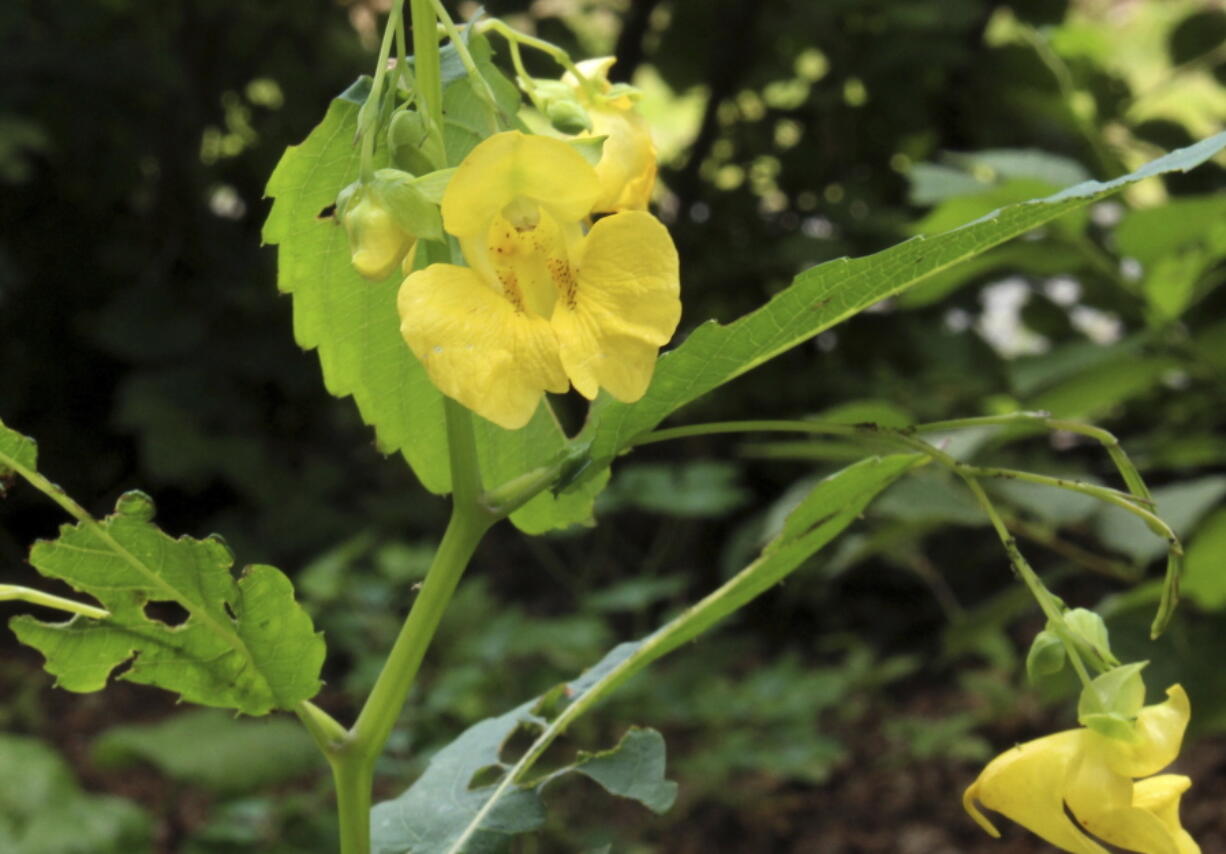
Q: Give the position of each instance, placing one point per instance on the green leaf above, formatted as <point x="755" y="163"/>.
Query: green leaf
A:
<point x="633" y="769"/>
<point x="1180" y="505"/>
<point x="431" y="815"/>
<point x="1204" y="578"/>
<point x="831" y="293"/>
<point x="246" y="644"/>
<point x="210" y="748"/>
<point x="828" y="509"/>
<point x="695" y="490"/>
<point x="1181" y="223"/>
<point x="15" y="449"/>
<point x="44" y="811"/>
<point x="354" y="326"/>
<point x="1119" y="693"/>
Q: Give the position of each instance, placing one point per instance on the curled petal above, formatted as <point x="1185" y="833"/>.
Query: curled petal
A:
<point x="512" y="165"/>
<point x="621" y="307"/>
<point x="1027" y="784"/>
<point x="1159" y="730"/>
<point x="476" y="347"/>
<point x="627" y="167"/>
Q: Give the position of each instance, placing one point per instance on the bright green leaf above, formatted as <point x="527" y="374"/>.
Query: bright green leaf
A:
<point x="831" y="293"/>
<point x="355" y="328"/>
<point x="246" y="644"/>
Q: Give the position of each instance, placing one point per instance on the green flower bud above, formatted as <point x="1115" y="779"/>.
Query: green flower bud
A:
<point x="1046" y="656"/>
<point x="1116" y="695"/>
<point x="568" y="116"/>
<point x="377" y="243"/>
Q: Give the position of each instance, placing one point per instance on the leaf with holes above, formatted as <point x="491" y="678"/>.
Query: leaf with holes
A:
<point x="245" y="644"/>
<point x="431" y="815"/>
<point x="354" y="326"/>
<point x="470" y="800"/>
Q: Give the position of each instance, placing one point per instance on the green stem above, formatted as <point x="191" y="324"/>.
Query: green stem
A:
<point x="905" y="436"/>
<point x="368" y="117"/>
<point x="13" y="592"/>
<point x="353" y="764"/>
<point x="557" y="54"/>
<point x="482" y="85"/>
<point x="353" y="773"/>
<point x="1046" y="601"/>
<point x="426" y="62"/>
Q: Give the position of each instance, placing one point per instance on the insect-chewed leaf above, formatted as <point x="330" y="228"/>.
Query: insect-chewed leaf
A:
<point x="15" y="449"/>
<point x="471" y="800"/>
<point x="245" y="645"/>
<point x="434" y="815"/>
<point x="354" y="326"/>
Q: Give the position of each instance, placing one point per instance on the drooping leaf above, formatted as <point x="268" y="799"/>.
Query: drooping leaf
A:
<point x="210" y="748"/>
<point x="245" y="645"/>
<point x="831" y="293"/>
<point x="445" y="812"/>
<point x="44" y="811"/>
<point x="354" y="326"/>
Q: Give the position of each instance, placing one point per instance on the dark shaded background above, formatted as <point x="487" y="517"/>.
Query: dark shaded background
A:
<point x="143" y="343"/>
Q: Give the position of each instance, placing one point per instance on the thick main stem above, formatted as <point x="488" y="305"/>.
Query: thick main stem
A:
<point x="353" y="760"/>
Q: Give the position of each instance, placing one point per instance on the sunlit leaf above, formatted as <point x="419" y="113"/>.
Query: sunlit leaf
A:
<point x="354" y="327"/>
<point x="245" y="644"/>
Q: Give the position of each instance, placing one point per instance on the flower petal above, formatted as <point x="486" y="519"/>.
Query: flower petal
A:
<point x="627" y="167"/>
<point x="624" y="305"/>
<point x="514" y="165"/>
<point x="1102" y="802"/>
<point x="476" y="347"/>
<point x="1160" y="795"/>
<point x="1027" y="784"/>
<point x="1159" y="729"/>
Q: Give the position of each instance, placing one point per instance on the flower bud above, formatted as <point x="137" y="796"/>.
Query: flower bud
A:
<point x="377" y="243"/>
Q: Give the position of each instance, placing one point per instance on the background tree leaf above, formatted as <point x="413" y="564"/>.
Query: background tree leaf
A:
<point x="830" y="293"/>
<point x="210" y="748"/>
<point x="44" y="811"/>
<point x="246" y="644"/>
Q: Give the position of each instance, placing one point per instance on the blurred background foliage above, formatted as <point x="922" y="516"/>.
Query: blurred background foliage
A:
<point x="143" y="343"/>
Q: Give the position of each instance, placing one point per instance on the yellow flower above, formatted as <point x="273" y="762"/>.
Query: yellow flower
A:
<point x="1094" y="776"/>
<point x="541" y="305"/>
<point x="627" y="167"/>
